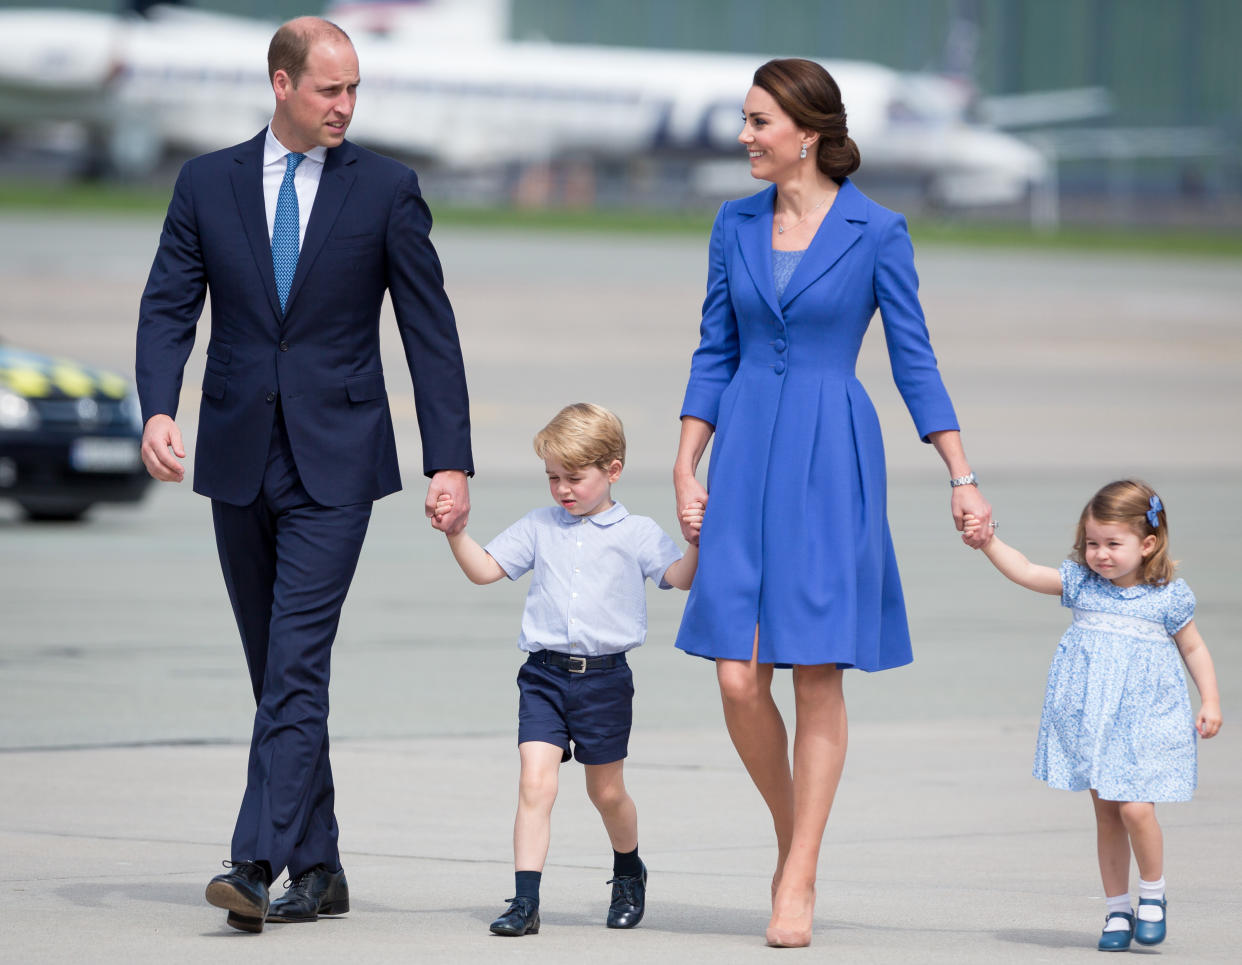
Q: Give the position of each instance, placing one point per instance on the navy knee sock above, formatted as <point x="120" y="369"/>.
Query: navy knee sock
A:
<point x="626" y="865"/>
<point x="526" y="884"/>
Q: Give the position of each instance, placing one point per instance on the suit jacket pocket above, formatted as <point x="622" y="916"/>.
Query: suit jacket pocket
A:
<point x="220" y="351"/>
<point x="214" y="385"/>
<point x="364" y="388"/>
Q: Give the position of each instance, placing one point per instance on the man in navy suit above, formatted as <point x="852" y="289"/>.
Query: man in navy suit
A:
<point x="297" y="234"/>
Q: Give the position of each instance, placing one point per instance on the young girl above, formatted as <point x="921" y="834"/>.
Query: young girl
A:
<point x="1116" y="717"/>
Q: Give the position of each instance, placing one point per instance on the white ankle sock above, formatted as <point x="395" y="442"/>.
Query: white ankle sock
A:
<point x="1151" y="889"/>
<point x="1118" y="903"/>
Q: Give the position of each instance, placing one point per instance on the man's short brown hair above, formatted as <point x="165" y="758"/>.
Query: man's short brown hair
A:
<point x="291" y="45"/>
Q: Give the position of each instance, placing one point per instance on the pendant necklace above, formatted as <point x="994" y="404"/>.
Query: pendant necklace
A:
<point x="780" y="228"/>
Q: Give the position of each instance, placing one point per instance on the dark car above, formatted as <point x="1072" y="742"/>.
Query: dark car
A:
<point x="69" y="436"/>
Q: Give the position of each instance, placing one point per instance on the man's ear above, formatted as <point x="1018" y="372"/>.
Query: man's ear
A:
<point x="282" y="84"/>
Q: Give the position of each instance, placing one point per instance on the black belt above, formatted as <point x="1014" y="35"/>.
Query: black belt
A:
<point x="554" y="658"/>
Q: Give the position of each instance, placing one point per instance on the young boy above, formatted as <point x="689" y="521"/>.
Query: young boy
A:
<point x="586" y="607"/>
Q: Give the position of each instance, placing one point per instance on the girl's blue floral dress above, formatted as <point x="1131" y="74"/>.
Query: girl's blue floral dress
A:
<point x="1117" y="715"/>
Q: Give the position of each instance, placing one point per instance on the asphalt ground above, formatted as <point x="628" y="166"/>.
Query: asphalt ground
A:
<point x="125" y="709"/>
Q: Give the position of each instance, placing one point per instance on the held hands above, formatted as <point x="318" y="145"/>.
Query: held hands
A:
<point x="691" y="519"/>
<point x="969" y="502"/>
<point x="448" y="501"/>
<point x="161" y="442"/>
<point x="689" y="492"/>
<point x="974" y="533"/>
<point x="443" y="508"/>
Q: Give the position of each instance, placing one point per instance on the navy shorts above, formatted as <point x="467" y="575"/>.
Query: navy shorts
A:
<point x="591" y="710"/>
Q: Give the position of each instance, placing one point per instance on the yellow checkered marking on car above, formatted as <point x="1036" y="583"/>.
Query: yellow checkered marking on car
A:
<point x="63" y="377"/>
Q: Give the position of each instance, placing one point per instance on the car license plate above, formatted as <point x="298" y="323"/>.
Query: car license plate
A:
<point x="104" y="455"/>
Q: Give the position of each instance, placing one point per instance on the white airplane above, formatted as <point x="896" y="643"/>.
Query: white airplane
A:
<point x="443" y="83"/>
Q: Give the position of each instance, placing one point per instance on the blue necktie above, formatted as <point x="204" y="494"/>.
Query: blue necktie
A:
<point x="285" y="230"/>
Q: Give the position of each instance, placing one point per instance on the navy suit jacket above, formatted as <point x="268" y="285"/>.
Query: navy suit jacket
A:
<point x="367" y="233"/>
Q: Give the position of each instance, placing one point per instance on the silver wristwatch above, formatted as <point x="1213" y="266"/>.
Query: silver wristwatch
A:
<point x="966" y="480"/>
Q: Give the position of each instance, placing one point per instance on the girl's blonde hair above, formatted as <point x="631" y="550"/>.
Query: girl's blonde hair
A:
<point x="1129" y="501"/>
<point x="582" y="435"/>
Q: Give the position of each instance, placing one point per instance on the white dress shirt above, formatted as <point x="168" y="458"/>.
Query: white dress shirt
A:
<point x="305" y="180"/>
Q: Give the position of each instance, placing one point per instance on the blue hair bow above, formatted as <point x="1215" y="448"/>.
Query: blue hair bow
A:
<point x="1153" y="514"/>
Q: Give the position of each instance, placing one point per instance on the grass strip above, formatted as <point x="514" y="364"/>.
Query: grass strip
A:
<point x="103" y="199"/>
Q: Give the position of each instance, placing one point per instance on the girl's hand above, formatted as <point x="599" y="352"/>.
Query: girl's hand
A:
<point x="1208" y="721"/>
<point x="691" y="518"/>
<point x="972" y="527"/>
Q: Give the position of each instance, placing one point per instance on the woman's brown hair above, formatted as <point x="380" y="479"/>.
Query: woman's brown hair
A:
<point x="809" y="95"/>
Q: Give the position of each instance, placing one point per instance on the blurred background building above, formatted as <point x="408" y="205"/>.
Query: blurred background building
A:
<point x="1134" y="106"/>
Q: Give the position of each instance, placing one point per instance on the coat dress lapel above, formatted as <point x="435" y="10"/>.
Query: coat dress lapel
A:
<point x="754" y="238"/>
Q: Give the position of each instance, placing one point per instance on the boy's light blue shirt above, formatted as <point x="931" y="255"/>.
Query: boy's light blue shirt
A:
<point x="587" y="596"/>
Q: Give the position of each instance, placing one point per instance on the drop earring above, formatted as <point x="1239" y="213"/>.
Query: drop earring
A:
<point x="803" y="154"/>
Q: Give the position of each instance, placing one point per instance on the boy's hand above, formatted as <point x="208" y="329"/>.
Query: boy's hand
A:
<point x="1208" y="721"/>
<point x="692" y="521"/>
<point x="443" y="509"/>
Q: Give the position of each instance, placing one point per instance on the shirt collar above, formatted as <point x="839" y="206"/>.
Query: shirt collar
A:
<point x="613" y="514"/>
<point x="274" y="151"/>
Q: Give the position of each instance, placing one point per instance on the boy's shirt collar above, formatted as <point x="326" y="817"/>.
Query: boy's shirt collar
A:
<point x="614" y="514"/>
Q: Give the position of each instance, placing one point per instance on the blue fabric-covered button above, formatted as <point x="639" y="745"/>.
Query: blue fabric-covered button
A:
<point x="779" y="345"/>
<point x="779" y="367"/>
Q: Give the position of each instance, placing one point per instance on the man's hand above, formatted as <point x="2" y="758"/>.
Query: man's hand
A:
<point x="448" y="517"/>
<point x="161" y="441"/>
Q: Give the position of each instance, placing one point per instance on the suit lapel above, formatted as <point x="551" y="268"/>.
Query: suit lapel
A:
<point x="754" y="237"/>
<point x="247" y="178"/>
<point x="836" y="234"/>
<point x="334" y="184"/>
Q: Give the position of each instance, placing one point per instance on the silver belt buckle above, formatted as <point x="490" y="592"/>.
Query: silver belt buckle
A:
<point x="577" y="664"/>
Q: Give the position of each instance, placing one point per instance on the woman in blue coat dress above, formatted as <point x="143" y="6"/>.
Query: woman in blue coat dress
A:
<point x="796" y="562"/>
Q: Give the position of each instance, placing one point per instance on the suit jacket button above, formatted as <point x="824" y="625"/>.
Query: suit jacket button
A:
<point x="284" y="345"/>
<point x="779" y="367"/>
<point x="271" y="397"/>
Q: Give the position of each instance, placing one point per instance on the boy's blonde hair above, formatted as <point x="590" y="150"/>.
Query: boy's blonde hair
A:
<point x="582" y="435"/>
<point x="1129" y="501"/>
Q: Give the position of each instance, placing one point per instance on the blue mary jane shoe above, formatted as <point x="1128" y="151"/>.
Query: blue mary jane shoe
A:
<point x="1151" y="932"/>
<point x="1117" y="941"/>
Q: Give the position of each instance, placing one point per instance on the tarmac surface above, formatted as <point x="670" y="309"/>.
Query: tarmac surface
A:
<point x="125" y="708"/>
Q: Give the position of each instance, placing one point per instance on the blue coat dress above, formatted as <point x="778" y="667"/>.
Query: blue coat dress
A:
<point x="795" y="538"/>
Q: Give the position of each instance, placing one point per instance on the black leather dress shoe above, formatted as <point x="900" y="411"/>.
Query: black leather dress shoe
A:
<point x="243" y="891"/>
<point x="314" y="893"/>
<point x="521" y="918"/>
<point x="629" y="899"/>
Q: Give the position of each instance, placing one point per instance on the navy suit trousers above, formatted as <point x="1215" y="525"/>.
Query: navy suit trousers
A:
<point x="288" y="562"/>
